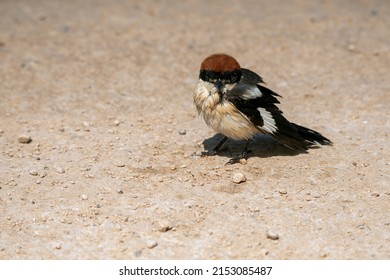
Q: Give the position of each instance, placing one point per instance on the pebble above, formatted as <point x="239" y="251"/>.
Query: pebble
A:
<point x="151" y="243"/>
<point x="120" y="164"/>
<point x="24" y="139"/>
<point x="182" y="132"/>
<point x="33" y="172"/>
<point x="238" y="178"/>
<point x="282" y="191"/>
<point x="164" y="226"/>
<point x="351" y="47"/>
<point x="272" y="235"/>
<point x="116" y="122"/>
<point x="60" y="170"/>
<point x="57" y="246"/>
<point x="375" y="194"/>
<point x="243" y="161"/>
<point x="120" y="191"/>
<point x="84" y="197"/>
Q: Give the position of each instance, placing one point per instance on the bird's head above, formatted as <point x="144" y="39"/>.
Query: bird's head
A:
<point x="221" y="70"/>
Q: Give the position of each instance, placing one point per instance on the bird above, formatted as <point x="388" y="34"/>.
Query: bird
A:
<point x="235" y="102"/>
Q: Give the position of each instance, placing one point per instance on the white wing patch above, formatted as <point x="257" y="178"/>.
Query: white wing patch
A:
<point x="269" y="122"/>
<point x="252" y="93"/>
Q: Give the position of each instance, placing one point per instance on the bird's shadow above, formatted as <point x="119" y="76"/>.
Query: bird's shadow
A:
<point x="262" y="146"/>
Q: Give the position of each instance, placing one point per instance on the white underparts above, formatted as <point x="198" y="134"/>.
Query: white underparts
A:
<point x="221" y="115"/>
<point x="269" y="122"/>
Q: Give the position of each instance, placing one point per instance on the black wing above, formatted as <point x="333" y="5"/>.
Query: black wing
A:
<point x="258" y="103"/>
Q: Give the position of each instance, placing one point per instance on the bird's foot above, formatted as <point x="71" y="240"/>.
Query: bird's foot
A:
<point x="240" y="159"/>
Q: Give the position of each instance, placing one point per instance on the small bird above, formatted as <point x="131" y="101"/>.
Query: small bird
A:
<point x="234" y="102"/>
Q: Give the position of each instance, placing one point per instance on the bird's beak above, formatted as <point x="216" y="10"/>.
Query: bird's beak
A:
<point x="219" y="86"/>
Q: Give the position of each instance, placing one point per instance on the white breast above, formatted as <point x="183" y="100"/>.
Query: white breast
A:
<point x="221" y="115"/>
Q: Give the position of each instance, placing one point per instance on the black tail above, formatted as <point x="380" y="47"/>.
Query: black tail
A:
<point x="311" y="136"/>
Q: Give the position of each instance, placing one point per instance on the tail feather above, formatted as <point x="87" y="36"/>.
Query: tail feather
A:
<point x="312" y="136"/>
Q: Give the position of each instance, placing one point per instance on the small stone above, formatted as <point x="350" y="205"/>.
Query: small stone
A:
<point x="351" y="47"/>
<point x="151" y="243"/>
<point x="43" y="174"/>
<point x="238" y="178"/>
<point x="272" y="235"/>
<point x="173" y="167"/>
<point x="375" y="194"/>
<point x="24" y="139"/>
<point x="164" y="226"/>
<point x="120" y="191"/>
<point x="243" y="161"/>
<point x="37" y="181"/>
<point x="60" y="170"/>
<point x="57" y="246"/>
<point x="120" y="164"/>
<point x="182" y="132"/>
<point x="282" y="191"/>
<point x="116" y="122"/>
<point x="160" y="179"/>
<point x="33" y="172"/>
<point x="84" y="197"/>
<point x="197" y="154"/>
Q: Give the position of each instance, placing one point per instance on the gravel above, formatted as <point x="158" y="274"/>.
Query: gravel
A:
<point x="151" y="243"/>
<point x="33" y="172"/>
<point x="272" y="235"/>
<point x="24" y="139"/>
<point x="238" y="178"/>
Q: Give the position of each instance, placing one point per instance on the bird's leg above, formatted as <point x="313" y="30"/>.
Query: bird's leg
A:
<point x="216" y="149"/>
<point x="243" y="154"/>
<point x="219" y="145"/>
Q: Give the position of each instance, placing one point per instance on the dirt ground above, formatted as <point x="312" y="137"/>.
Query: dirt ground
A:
<point x="104" y="90"/>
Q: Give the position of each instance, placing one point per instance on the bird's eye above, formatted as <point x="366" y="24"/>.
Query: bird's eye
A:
<point x="235" y="76"/>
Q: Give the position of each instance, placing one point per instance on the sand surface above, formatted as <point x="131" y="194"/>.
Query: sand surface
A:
<point x="104" y="90"/>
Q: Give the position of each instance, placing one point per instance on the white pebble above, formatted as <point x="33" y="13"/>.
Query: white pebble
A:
<point x="182" y="132"/>
<point x="272" y="235"/>
<point x="238" y="178"/>
<point x="60" y="170"/>
<point x="282" y="191"/>
<point x="151" y="243"/>
<point x="84" y="197"/>
<point x="33" y="172"/>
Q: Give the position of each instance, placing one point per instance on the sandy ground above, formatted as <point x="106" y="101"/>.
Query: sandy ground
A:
<point x="103" y="89"/>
